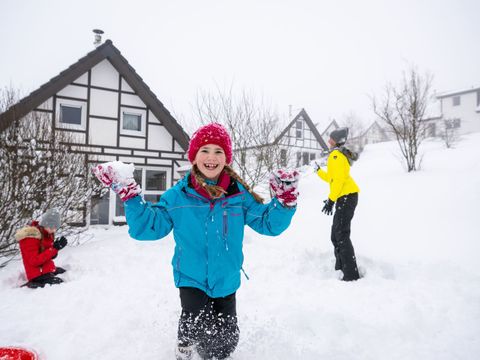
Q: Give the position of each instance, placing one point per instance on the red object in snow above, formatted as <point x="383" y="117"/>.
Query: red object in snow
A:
<point x="16" y="353"/>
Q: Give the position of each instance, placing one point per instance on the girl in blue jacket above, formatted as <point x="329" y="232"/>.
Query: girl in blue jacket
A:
<point x="207" y="211"/>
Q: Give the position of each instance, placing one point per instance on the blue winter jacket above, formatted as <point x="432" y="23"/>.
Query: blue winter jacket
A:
<point x="208" y="234"/>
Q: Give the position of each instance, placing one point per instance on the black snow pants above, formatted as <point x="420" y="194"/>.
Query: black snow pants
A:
<point x="208" y="323"/>
<point x="343" y="248"/>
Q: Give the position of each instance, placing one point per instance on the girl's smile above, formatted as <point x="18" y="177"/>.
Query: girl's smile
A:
<point x="210" y="160"/>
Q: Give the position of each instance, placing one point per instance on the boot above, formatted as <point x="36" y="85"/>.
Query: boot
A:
<point x="59" y="270"/>
<point x="350" y="271"/>
<point x="42" y="280"/>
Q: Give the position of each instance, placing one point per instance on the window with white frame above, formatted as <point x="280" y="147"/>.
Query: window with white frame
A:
<point x="299" y="129"/>
<point x="305" y="158"/>
<point x="299" y="159"/>
<point x="451" y="124"/>
<point x="283" y="157"/>
<point x="71" y="114"/>
<point x="133" y="122"/>
<point x="456" y="101"/>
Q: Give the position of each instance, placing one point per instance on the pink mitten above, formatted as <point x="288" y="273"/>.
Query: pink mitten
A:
<point x="284" y="185"/>
<point x="105" y="173"/>
<point x="125" y="187"/>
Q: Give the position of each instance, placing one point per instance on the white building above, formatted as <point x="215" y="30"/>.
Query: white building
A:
<point x="115" y="116"/>
<point x="301" y="138"/>
<point x="461" y="110"/>
<point x="299" y="143"/>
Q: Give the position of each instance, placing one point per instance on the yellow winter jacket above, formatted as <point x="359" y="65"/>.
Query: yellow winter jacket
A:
<point x="338" y="176"/>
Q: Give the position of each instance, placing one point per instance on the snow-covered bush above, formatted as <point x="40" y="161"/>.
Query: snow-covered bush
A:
<point x="39" y="171"/>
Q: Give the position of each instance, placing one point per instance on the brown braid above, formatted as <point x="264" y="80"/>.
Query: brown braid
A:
<point x="230" y="172"/>
<point x="216" y="191"/>
<point x="42" y="247"/>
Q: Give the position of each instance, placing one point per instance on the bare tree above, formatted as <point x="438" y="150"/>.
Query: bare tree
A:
<point x="252" y="125"/>
<point x="450" y="132"/>
<point x="402" y="109"/>
<point x="39" y="171"/>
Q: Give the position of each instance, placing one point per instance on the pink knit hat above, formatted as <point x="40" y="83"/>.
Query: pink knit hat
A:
<point x="213" y="133"/>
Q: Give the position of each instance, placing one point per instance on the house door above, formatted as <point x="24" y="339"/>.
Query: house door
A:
<point x="100" y="209"/>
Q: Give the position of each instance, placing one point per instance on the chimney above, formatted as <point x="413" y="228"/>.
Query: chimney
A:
<point x="98" y="37"/>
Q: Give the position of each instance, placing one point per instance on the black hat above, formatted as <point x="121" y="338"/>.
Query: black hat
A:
<point x="339" y="135"/>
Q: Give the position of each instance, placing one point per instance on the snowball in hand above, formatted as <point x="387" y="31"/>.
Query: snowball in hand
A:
<point x="115" y="172"/>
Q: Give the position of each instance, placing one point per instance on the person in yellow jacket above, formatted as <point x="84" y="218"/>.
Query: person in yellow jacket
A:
<point x="344" y="194"/>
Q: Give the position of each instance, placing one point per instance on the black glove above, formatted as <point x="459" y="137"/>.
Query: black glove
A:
<point x="328" y="207"/>
<point x="316" y="167"/>
<point x="60" y="243"/>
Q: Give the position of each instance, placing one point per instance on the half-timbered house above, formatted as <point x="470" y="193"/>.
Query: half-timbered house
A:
<point x="300" y="141"/>
<point x="115" y="116"/>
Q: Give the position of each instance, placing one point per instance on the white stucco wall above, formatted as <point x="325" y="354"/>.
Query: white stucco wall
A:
<point x="105" y="75"/>
<point x="125" y="86"/>
<point x="152" y="118"/>
<point x="137" y="143"/>
<point x="103" y="132"/>
<point x="83" y="79"/>
<point x="159" y="138"/>
<point x="47" y="105"/>
<point x="177" y="147"/>
<point x="132" y="100"/>
<point x="79" y="92"/>
<point x="466" y="112"/>
<point x="103" y="103"/>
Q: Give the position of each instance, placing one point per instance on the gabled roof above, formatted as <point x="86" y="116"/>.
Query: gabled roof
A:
<point x="105" y="51"/>
<point x="374" y="125"/>
<point x="334" y="123"/>
<point x="309" y="122"/>
<point x="457" y="92"/>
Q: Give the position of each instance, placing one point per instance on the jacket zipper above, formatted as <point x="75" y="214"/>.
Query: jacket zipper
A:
<point x="225" y="228"/>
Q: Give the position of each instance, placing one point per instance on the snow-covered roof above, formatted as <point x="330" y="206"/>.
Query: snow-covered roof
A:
<point x="457" y="92"/>
<point x="105" y="51"/>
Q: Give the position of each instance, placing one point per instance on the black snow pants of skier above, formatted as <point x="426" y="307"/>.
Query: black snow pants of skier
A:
<point x="343" y="248"/>
<point x="208" y="323"/>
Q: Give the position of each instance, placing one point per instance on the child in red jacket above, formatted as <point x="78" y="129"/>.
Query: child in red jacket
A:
<point x="39" y="247"/>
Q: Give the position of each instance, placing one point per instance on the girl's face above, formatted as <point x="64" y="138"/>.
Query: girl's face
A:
<point x="50" y="230"/>
<point x="210" y="160"/>
<point x="331" y="143"/>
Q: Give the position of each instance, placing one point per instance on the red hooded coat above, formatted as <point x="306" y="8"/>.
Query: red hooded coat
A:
<point x="36" y="246"/>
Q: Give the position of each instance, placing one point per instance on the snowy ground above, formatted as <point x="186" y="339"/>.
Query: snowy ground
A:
<point x="417" y="242"/>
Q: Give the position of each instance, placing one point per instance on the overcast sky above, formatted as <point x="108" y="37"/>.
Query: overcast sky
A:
<point x="324" y="56"/>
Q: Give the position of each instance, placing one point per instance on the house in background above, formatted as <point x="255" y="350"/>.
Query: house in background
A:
<point x="301" y="139"/>
<point x="115" y="116"/>
<point x="460" y="110"/>
<point x="298" y="144"/>
<point x="375" y="133"/>
<point x="333" y="125"/>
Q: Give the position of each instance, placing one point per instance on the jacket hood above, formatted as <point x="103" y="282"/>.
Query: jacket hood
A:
<point x="351" y="156"/>
<point x="28" y="231"/>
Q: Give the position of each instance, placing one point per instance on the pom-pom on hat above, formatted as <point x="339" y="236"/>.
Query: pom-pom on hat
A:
<point x="51" y="219"/>
<point x="213" y="133"/>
